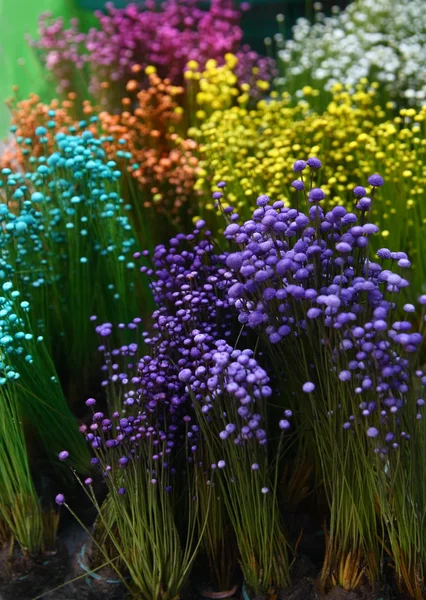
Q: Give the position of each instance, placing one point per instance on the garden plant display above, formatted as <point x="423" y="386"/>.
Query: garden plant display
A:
<point x="216" y="391"/>
<point x="292" y="286"/>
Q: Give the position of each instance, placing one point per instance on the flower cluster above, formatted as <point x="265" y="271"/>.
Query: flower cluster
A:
<point x="66" y="238"/>
<point x="252" y="149"/>
<point x="164" y="163"/>
<point x="146" y="139"/>
<point x="167" y="38"/>
<point x="192" y="395"/>
<point x="317" y="266"/>
<point x="368" y="39"/>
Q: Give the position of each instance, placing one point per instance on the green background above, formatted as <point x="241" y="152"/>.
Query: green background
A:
<point x="18" y="64"/>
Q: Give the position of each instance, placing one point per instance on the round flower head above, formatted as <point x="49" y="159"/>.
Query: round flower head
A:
<point x="364" y="204"/>
<point x="298" y="185"/>
<point x="265" y="490"/>
<point x="185" y="375"/>
<point x="262" y="200"/>
<point x="299" y="165"/>
<point x="372" y="432"/>
<point x="308" y="387"/>
<point x="316" y="195"/>
<point x="384" y="253"/>
<point x="360" y="191"/>
<point x="60" y="499"/>
<point x="314" y="162"/>
<point x="221" y="184"/>
<point x="63" y="455"/>
<point x="376" y="180"/>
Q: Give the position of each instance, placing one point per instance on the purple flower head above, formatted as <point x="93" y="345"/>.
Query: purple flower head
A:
<point x="299" y="165"/>
<point x="364" y="204"/>
<point x="262" y="200"/>
<point x="360" y="191"/>
<point x="308" y="387"/>
<point x="60" y="499"/>
<point x="221" y="184"/>
<point x="298" y="185"/>
<point x="63" y="455"/>
<point x="316" y="195"/>
<point x="384" y="253"/>
<point x="185" y="375"/>
<point x="372" y="432"/>
<point x="376" y="180"/>
<point x="314" y="162"/>
<point x="343" y="247"/>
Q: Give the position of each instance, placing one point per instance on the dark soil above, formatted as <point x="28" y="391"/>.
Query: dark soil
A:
<point x="63" y="576"/>
<point x="83" y="585"/>
<point x="24" y="578"/>
<point x="304" y="586"/>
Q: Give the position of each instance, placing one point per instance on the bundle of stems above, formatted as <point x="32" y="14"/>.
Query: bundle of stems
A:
<point x="26" y="362"/>
<point x="21" y="513"/>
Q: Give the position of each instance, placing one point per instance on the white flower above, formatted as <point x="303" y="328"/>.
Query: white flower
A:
<point x="380" y="39"/>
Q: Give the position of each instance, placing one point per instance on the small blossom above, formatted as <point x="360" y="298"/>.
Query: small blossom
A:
<point x="60" y="499"/>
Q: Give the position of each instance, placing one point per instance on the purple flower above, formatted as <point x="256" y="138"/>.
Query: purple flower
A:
<point x="265" y="490"/>
<point x="360" y="191"/>
<point x="372" y="432"/>
<point x="221" y="464"/>
<point x="345" y="375"/>
<point x="299" y="165"/>
<point x="185" y="375"/>
<point x="284" y="424"/>
<point x="60" y="499"/>
<point x="316" y="195"/>
<point x="376" y="180"/>
<point x="298" y="185"/>
<point x="314" y="162"/>
<point x="262" y="200"/>
<point x="343" y="247"/>
<point x="121" y="491"/>
<point x="63" y="455"/>
<point x="364" y="204"/>
<point x="308" y="387"/>
<point x="90" y="402"/>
